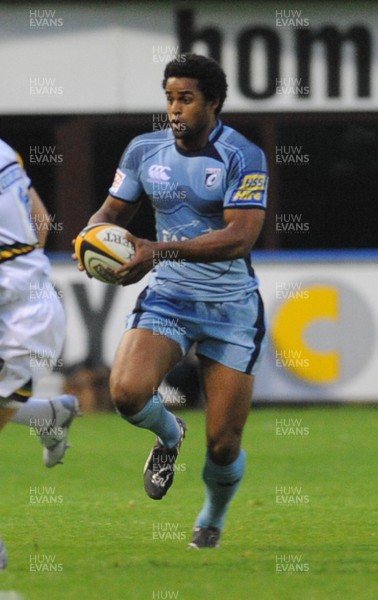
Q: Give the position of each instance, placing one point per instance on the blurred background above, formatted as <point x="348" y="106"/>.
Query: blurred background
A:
<point x="80" y="81"/>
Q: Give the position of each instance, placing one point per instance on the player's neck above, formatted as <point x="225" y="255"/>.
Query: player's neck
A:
<point x="198" y="142"/>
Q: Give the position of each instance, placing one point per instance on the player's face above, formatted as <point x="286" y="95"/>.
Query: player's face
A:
<point x="191" y="116"/>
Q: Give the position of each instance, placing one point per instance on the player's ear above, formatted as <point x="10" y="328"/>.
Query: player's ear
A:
<point x="214" y="104"/>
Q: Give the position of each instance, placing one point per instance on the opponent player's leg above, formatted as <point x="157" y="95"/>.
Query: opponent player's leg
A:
<point x="142" y="360"/>
<point x="32" y="328"/>
<point x="228" y="393"/>
<point x="51" y="420"/>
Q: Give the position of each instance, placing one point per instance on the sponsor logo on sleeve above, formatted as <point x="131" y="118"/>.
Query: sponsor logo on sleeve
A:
<point x="252" y="187"/>
<point x="118" y="179"/>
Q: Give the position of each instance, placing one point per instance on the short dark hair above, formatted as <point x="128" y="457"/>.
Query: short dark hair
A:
<point x="210" y="75"/>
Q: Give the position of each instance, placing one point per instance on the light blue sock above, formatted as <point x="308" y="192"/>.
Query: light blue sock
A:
<point x="221" y="485"/>
<point x="155" y="417"/>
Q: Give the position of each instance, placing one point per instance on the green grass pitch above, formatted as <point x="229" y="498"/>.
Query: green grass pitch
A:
<point x="302" y="525"/>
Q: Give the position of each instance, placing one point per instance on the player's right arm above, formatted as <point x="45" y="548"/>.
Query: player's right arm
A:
<point x="124" y="195"/>
<point x="114" y="211"/>
<point x="122" y="201"/>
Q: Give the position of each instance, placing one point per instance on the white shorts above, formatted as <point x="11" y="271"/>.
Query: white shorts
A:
<point x="32" y="333"/>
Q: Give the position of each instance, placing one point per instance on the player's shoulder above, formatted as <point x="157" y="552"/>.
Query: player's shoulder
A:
<point x="240" y="153"/>
<point x="236" y="141"/>
<point x="143" y="146"/>
<point x="151" y="141"/>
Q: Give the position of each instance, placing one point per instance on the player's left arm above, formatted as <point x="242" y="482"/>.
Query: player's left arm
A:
<point x="235" y="240"/>
<point x="39" y="216"/>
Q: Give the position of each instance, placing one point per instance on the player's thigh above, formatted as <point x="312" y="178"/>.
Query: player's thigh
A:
<point x="228" y="395"/>
<point x="141" y="362"/>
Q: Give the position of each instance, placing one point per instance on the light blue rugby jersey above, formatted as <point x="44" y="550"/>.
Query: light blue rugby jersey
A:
<point x="189" y="192"/>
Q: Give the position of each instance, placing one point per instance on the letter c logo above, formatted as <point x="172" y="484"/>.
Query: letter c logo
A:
<point x="289" y="328"/>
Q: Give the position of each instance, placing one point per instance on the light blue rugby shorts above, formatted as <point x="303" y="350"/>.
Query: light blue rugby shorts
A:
<point x="231" y="333"/>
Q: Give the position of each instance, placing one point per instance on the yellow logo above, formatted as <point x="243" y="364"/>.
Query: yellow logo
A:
<point x="251" y="187"/>
<point x="290" y="326"/>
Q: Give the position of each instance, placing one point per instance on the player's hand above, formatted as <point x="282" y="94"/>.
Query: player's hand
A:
<point x="76" y="259"/>
<point x="141" y="264"/>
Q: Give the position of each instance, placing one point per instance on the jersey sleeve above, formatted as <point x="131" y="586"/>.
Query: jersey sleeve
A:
<point x="126" y="184"/>
<point x="247" y="184"/>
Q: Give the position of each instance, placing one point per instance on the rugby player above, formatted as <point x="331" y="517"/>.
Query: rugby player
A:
<point x="32" y="319"/>
<point x="208" y="187"/>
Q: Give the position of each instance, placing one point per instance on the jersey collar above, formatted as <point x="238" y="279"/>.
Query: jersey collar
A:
<point x="214" y="135"/>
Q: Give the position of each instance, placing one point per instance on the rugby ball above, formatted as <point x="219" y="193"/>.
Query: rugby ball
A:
<point x="101" y="249"/>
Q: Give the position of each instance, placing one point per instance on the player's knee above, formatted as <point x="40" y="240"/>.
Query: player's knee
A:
<point x="128" y="396"/>
<point x="224" y="449"/>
